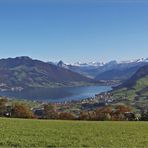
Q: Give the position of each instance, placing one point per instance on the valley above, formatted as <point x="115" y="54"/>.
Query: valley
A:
<point x="74" y="73"/>
<point x="76" y="97"/>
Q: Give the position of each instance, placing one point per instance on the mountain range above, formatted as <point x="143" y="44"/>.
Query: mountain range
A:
<point x="112" y="70"/>
<point x="23" y="72"/>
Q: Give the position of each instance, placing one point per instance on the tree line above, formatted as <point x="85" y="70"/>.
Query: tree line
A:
<point x="49" y="111"/>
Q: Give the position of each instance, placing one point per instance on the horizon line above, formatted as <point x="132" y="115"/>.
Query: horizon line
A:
<point x="93" y="61"/>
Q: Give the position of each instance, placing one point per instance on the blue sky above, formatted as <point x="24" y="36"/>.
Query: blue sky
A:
<point x="71" y="30"/>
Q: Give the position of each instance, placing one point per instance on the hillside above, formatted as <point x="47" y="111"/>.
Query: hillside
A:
<point x="135" y="88"/>
<point x="26" y="72"/>
<point x="141" y="74"/>
<point x="117" y="74"/>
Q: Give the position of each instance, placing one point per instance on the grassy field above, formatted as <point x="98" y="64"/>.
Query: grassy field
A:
<point x="39" y="133"/>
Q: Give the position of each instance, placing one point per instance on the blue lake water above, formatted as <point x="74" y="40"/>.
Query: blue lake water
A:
<point x="58" y="94"/>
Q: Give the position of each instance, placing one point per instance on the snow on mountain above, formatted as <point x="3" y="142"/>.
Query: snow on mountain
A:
<point x="99" y="64"/>
<point x="94" y="69"/>
<point x="134" y="61"/>
<point x="62" y="64"/>
<point x="93" y="64"/>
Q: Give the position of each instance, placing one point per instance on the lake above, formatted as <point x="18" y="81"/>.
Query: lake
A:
<point x="57" y="94"/>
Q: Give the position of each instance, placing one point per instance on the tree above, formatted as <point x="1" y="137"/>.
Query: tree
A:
<point x="121" y="112"/>
<point x="104" y="113"/>
<point x="3" y="106"/>
<point x="130" y="116"/>
<point x="144" y="115"/>
<point x="21" y="111"/>
<point x="84" y="115"/>
<point x="50" y="111"/>
<point x="67" y="116"/>
<point x="122" y="109"/>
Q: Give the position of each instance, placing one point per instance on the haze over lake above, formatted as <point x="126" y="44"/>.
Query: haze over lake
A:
<point x="58" y="94"/>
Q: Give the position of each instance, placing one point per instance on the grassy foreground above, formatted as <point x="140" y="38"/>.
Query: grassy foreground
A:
<point x="39" y="133"/>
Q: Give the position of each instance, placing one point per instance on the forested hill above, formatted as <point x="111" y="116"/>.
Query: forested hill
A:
<point x="26" y="72"/>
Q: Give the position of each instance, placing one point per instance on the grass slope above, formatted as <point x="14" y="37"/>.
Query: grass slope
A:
<point x="39" y="133"/>
<point x="140" y="89"/>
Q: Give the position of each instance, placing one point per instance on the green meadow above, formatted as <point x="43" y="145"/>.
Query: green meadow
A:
<point x="45" y="133"/>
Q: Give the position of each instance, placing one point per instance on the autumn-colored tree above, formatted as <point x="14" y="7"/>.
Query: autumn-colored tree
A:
<point x="83" y="115"/>
<point x="50" y="111"/>
<point x="3" y="106"/>
<point x="123" y="109"/>
<point x="66" y="116"/>
<point x="21" y="111"/>
<point x="91" y="115"/>
<point x="104" y="113"/>
<point x="120" y="112"/>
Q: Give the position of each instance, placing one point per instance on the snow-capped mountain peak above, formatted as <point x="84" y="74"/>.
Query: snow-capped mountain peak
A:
<point x="140" y="60"/>
<point x="94" y="64"/>
<point x="62" y="64"/>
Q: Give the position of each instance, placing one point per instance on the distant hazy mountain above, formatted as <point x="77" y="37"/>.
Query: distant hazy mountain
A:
<point x="112" y="70"/>
<point x="117" y="74"/>
<point x="120" y="71"/>
<point x="26" y="72"/>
